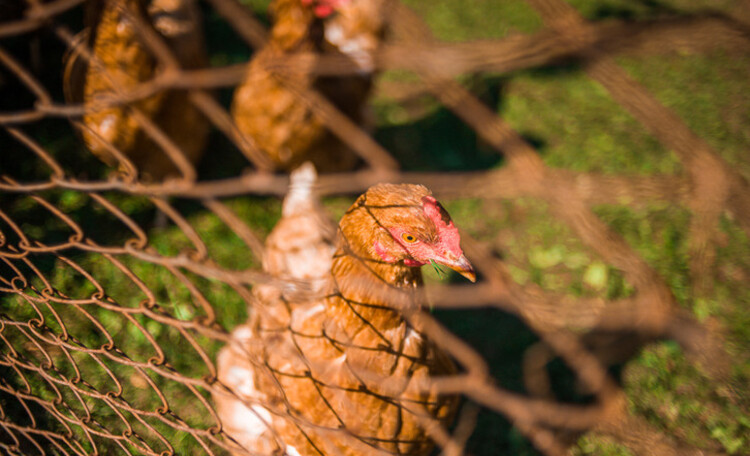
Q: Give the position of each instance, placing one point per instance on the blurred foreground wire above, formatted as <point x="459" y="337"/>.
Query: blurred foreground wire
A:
<point x="87" y="368"/>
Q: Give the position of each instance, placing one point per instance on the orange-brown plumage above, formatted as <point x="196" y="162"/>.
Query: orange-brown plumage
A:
<point x="347" y="367"/>
<point x="123" y="61"/>
<point x="274" y="117"/>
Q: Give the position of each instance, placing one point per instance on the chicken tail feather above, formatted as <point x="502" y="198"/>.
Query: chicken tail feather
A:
<point x="301" y="196"/>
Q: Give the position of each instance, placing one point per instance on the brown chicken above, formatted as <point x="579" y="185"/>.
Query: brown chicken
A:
<point x="273" y="116"/>
<point x="300" y="247"/>
<point x="124" y="62"/>
<point x="341" y="373"/>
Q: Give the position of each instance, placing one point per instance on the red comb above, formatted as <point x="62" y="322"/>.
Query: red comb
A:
<point x="447" y="230"/>
<point x="323" y="8"/>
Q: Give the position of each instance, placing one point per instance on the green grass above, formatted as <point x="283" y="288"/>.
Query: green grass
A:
<point x="453" y="20"/>
<point x="578" y="126"/>
<point x="573" y="123"/>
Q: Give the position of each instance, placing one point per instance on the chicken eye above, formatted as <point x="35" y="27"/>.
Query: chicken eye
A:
<point x="410" y="238"/>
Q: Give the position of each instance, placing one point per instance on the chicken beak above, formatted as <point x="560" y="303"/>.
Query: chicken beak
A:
<point x="461" y="265"/>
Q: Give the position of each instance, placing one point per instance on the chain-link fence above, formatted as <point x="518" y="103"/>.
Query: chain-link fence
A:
<point x="110" y="324"/>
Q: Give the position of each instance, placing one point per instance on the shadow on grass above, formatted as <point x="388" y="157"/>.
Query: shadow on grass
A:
<point x="440" y="141"/>
<point x="19" y="413"/>
<point x="502" y="339"/>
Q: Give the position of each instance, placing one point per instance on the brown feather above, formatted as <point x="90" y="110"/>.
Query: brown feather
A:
<point x="350" y="360"/>
<point x="125" y="62"/>
<point x="270" y="114"/>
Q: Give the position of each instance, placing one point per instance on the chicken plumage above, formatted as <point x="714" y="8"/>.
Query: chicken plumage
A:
<point x="123" y="62"/>
<point x="300" y="247"/>
<point x="273" y="116"/>
<point x="344" y="373"/>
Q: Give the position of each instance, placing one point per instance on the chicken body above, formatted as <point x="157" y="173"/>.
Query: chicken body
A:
<point x="344" y="373"/>
<point x="123" y="62"/>
<point x="274" y="117"/>
<point x="300" y="247"/>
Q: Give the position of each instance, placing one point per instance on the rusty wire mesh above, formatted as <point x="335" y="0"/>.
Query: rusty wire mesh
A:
<point x="89" y="364"/>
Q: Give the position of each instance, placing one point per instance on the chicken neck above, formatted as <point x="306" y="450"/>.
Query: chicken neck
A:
<point x="371" y="295"/>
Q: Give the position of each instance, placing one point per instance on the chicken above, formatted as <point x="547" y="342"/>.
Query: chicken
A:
<point x="300" y="247"/>
<point x="274" y="117"/>
<point x="124" y="63"/>
<point x="342" y="371"/>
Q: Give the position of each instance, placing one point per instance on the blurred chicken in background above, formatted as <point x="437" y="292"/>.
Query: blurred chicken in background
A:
<point x="122" y="62"/>
<point x="300" y="248"/>
<point x="274" y="117"/>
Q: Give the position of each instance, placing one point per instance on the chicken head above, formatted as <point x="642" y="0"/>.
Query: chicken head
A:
<point x="413" y="228"/>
